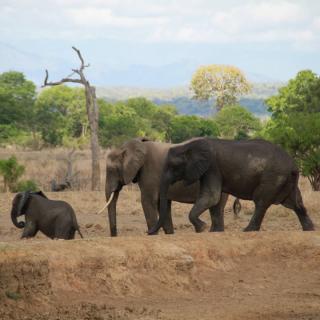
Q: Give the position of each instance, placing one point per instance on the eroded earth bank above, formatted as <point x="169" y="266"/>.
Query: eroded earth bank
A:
<point x="266" y="275"/>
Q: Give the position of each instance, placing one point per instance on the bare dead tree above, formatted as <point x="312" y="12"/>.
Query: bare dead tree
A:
<point x="68" y="179"/>
<point x="92" y="113"/>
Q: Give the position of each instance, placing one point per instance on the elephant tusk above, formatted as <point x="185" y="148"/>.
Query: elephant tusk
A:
<point x="107" y="204"/>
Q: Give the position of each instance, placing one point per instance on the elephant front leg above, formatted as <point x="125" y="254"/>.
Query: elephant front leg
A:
<point x="30" y="230"/>
<point x="168" y="225"/>
<point x="210" y="195"/>
<point x="199" y="207"/>
<point x="150" y="209"/>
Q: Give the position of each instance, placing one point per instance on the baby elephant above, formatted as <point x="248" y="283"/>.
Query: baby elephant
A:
<point x="56" y="219"/>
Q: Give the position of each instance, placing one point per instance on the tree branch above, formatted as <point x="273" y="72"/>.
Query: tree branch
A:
<point x="81" y="59"/>
<point x="46" y="83"/>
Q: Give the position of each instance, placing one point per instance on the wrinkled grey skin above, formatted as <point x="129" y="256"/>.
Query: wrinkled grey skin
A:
<point x="56" y="219"/>
<point x="141" y="161"/>
<point x="252" y="170"/>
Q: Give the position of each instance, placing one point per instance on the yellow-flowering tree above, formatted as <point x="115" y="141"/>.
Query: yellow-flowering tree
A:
<point x="224" y="83"/>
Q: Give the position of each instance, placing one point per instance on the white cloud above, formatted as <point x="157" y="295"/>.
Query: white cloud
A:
<point x="193" y="21"/>
<point x="93" y="17"/>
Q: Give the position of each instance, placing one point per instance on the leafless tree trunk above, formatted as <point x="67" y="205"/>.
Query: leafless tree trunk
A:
<point x="92" y="113"/>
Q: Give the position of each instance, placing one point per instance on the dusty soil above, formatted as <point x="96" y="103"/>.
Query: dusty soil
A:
<point x="273" y="274"/>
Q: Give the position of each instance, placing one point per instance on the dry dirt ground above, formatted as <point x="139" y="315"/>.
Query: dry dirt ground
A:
<point x="272" y="274"/>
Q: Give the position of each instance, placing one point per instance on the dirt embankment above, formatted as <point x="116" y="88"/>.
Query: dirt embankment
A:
<point x="266" y="275"/>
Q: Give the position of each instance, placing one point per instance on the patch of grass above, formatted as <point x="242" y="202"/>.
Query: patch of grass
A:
<point x="3" y="247"/>
<point x="13" y="295"/>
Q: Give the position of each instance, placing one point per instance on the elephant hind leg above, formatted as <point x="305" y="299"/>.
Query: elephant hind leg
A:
<point x="257" y="218"/>
<point x="295" y="202"/>
<point x="264" y="196"/>
<point x="65" y="233"/>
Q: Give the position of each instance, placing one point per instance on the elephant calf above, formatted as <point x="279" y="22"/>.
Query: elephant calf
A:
<point x="56" y="219"/>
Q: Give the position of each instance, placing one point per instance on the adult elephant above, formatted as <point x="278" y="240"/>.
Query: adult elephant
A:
<point x="141" y="161"/>
<point x="252" y="170"/>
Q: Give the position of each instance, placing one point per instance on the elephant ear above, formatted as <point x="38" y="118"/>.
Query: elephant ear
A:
<point x="134" y="153"/>
<point x="24" y="198"/>
<point x="197" y="156"/>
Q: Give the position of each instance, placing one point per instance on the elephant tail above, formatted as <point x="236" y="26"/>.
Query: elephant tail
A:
<point x="236" y="206"/>
<point x="79" y="232"/>
<point x="76" y="225"/>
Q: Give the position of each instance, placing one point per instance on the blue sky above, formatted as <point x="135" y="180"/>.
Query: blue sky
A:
<point x="159" y="43"/>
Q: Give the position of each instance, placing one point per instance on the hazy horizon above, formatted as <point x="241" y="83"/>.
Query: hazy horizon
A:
<point x="141" y="44"/>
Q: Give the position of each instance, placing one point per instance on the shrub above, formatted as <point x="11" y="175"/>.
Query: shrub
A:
<point x="11" y="171"/>
<point x="26" y="185"/>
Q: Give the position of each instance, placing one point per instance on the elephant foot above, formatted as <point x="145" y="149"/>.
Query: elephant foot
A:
<point x="216" y="229"/>
<point x="308" y="227"/>
<point x="200" y="227"/>
<point x="153" y="233"/>
<point x="251" y="229"/>
<point x="169" y="231"/>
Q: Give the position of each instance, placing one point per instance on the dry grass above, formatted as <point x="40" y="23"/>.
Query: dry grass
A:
<point x="45" y="165"/>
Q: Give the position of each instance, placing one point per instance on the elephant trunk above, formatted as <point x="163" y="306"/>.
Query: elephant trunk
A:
<point x="163" y="212"/>
<point x="112" y="212"/>
<point x="14" y="215"/>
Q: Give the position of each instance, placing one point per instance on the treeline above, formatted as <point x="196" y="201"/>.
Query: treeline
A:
<point x="57" y="117"/>
<point x="203" y="108"/>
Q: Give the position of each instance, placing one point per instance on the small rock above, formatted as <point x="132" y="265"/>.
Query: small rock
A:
<point x="89" y="225"/>
<point x="98" y="227"/>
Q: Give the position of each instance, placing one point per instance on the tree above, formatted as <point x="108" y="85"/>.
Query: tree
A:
<point x="60" y="114"/>
<point x="295" y="123"/>
<point x="17" y="97"/>
<point x="236" y="122"/>
<point x="224" y="83"/>
<point x="92" y="113"/>
<point x="302" y="94"/>
<point x="119" y="123"/>
<point x="185" y="127"/>
<point x="299" y="134"/>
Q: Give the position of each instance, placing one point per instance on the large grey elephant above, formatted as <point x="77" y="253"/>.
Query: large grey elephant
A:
<point x="252" y="170"/>
<point x="56" y="219"/>
<point x="141" y="161"/>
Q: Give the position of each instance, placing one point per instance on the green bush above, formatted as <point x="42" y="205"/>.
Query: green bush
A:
<point x="26" y="185"/>
<point x="11" y="171"/>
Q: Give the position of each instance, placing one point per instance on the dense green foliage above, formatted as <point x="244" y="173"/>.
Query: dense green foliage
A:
<point x="57" y="117"/>
<point x="185" y="127"/>
<point x="295" y="123"/>
<point x="17" y="96"/>
<point x="60" y="114"/>
<point x="236" y="122"/>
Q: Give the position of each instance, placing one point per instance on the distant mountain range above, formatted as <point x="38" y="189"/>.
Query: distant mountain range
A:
<point x="58" y="57"/>
<point x="181" y="97"/>
<point x="115" y="82"/>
